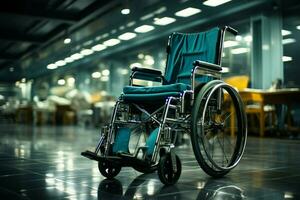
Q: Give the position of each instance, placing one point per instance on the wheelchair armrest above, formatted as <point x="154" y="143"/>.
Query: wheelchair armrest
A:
<point x="146" y="74"/>
<point x="147" y="70"/>
<point x="206" y="65"/>
<point x="212" y="69"/>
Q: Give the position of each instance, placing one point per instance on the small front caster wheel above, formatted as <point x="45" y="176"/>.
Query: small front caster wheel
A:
<point x="166" y="173"/>
<point x="109" y="169"/>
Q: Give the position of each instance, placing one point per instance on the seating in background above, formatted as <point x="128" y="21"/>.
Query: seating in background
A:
<point x="255" y="108"/>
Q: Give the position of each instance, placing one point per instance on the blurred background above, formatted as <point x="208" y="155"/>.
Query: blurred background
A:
<point x="66" y="62"/>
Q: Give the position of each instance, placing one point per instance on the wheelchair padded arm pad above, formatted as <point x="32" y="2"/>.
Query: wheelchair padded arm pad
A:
<point x="207" y="65"/>
<point x="147" y="70"/>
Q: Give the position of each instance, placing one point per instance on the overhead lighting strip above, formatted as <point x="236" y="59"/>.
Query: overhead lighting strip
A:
<point x="144" y="29"/>
<point x="187" y="12"/>
<point x="215" y="3"/>
<point x="164" y="21"/>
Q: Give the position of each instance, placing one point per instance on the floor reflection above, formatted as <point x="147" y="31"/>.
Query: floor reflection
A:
<point x="214" y="189"/>
<point x="140" y="188"/>
<point x="45" y="163"/>
<point x="143" y="188"/>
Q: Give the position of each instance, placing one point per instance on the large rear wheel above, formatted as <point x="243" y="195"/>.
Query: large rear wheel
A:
<point x="219" y="131"/>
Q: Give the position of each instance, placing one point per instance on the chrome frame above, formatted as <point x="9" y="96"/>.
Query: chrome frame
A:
<point x="179" y="106"/>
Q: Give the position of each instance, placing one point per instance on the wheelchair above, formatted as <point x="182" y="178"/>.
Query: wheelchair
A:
<point x="191" y="99"/>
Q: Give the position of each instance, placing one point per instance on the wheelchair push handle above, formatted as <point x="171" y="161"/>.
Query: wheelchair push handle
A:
<point x="231" y="30"/>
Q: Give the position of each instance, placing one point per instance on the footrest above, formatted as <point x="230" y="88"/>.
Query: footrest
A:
<point x="125" y="155"/>
<point x="91" y="155"/>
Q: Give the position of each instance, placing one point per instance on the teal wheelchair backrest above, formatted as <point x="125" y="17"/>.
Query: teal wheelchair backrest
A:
<point x="184" y="49"/>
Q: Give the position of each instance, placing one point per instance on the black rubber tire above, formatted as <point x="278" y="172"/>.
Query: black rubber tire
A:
<point x="109" y="169"/>
<point x="241" y="138"/>
<point x="165" y="169"/>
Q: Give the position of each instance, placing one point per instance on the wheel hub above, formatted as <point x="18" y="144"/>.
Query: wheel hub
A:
<point x="216" y="127"/>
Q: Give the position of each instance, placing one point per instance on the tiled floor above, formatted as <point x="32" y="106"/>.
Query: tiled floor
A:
<point x="45" y="163"/>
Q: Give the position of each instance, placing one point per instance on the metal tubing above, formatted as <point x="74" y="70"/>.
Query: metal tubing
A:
<point x="161" y="127"/>
<point x="110" y="135"/>
<point x="99" y="144"/>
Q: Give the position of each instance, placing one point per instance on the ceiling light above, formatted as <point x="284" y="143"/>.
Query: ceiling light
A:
<point x="104" y="78"/>
<point x="76" y="56"/>
<point x="239" y="50"/>
<point x="125" y="11"/>
<point x="124" y="71"/>
<point x="105" y="35"/>
<point x="187" y="12"/>
<point x="105" y="72"/>
<point x="285" y="32"/>
<point x="98" y="38"/>
<point x="288" y="41"/>
<point x="111" y="42"/>
<point x="298" y="27"/>
<point x="286" y="58"/>
<point x="225" y="70"/>
<point x="135" y="65"/>
<point x="69" y="60"/>
<point x="87" y="43"/>
<point x="127" y="36"/>
<point x="86" y="52"/>
<point x="141" y="56"/>
<point x="51" y="66"/>
<point x="148" y="57"/>
<point x="67" y="40"/>
<point x="61" y="82"/>
<point x="230" y="43"/>
<point x="288" y="195"/>
<point x="214" y="3"/>
<point x="248" y="38"/>
<point x="149" y="62"/>
<point x="238" y="38"/>
<point x="71" y="81"/>
<point x="148" y="16"/>
<point x="98" y="47"/>
<point x="130" y="24"/>
<point x="60" y="63"/>
<point x="164" y="21"/>
<point x="144" y="29"/>
<point x="113" y="31"/>
<point x="161" y="10"/>
<point x="96" y="74"/>
<point x="265" y="47"/>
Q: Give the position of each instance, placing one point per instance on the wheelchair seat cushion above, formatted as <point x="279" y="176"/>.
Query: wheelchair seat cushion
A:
<point x="135" y="93"/>
<point x="177" y="87"/>
<point x="151" y="98"/>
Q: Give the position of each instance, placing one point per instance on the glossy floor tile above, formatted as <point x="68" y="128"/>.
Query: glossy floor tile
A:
<point x="45" y="163"/>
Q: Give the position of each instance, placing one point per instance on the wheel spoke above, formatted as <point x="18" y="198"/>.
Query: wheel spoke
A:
<point x="228" y="141"/>
<point x="227" y="116"/>
<point x="222" y="149"/>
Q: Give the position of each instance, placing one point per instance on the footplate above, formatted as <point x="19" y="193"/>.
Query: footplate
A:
<point x="91" y="155"/>
<point x="124" y="160"/>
